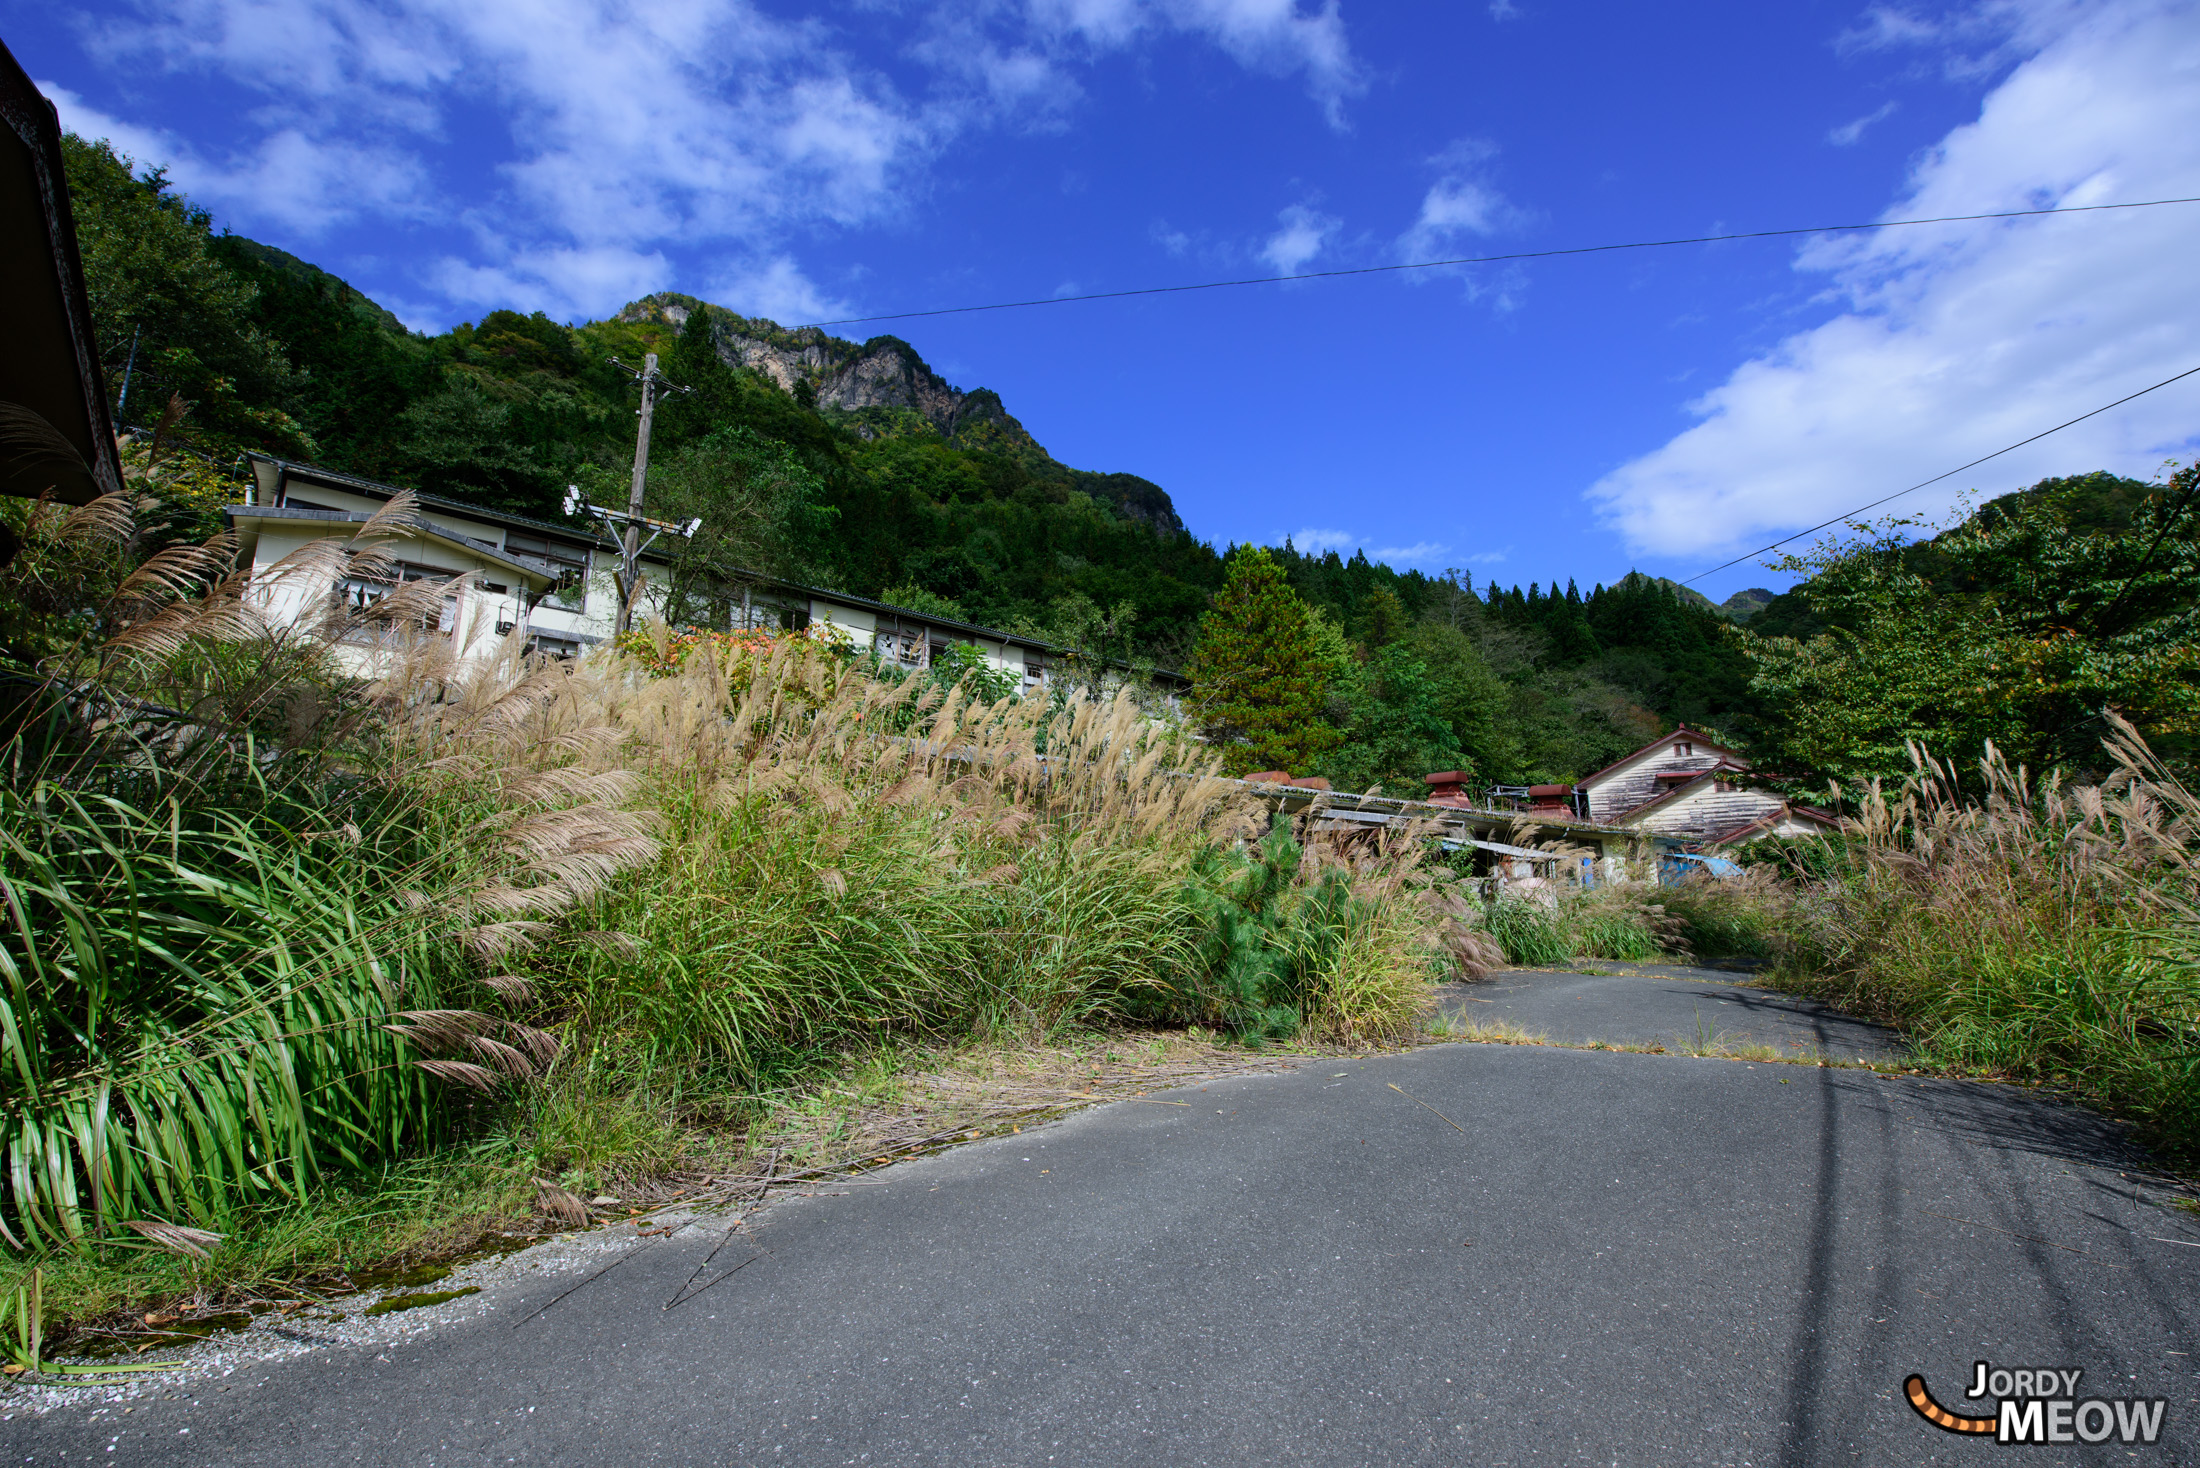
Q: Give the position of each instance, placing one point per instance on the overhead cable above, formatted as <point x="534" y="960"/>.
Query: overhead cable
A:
<point x="1875" y="504"/>
<point x="1705" y="239"/>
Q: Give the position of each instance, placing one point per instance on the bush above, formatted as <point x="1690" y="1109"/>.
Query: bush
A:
<point x="1292" y="943"/>
<point x="1729" y="917"/>
<point x="234" y="938"/>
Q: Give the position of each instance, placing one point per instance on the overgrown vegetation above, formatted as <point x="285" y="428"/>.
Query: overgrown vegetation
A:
<point x="294" y="905"/>
<point x="2043" y="931"/>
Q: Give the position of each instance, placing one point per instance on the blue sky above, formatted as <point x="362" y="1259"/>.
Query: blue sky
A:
<point x="1551" y="419"/>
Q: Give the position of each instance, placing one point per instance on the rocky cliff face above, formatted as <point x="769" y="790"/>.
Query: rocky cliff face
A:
<point x="872" y="386"/>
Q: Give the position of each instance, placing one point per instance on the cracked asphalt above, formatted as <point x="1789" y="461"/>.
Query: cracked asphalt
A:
<point x="1464" y="1254"/>
<point x="1666" y="1004"/>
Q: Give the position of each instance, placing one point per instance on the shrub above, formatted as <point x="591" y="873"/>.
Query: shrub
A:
<point x="232" y="938"/>
<point x="1291" y="942"/>
<point x="1730" y="917"/>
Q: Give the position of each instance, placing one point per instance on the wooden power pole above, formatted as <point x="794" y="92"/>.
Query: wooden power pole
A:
<point x="630" y="545"/>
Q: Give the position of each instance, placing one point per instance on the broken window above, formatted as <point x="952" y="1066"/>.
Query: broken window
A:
<point x="361" y="592"/>
<point x="569" y="559"/>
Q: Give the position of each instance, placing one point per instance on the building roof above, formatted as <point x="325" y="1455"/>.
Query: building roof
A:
<point x="283" y="469"/>
<point x="1683" y="732"/>
<point x="376" y="489"/>
<point x="427" y="530"/>
<point x="51" y="366"/>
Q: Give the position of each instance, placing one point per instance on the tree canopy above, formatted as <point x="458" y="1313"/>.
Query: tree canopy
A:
<point x="1258" y="683"/>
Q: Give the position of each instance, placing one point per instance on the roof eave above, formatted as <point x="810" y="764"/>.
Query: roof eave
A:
<point x="252" y="514"/>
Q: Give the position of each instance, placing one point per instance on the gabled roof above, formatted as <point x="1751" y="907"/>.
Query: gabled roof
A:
<point x="1773" y="818"/>
<point x="1683" y="732"/>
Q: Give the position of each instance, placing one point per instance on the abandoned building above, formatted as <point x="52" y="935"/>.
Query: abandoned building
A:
<point x="552" y="585"/>
<point x="1688" y="785"/>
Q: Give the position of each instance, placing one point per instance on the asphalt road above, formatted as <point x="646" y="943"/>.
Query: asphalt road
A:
<point x="1661" y="1004"/>
<point x="1589" y="1257"/>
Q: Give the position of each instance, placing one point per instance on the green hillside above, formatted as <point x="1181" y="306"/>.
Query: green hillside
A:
<point x="855" y="465"/>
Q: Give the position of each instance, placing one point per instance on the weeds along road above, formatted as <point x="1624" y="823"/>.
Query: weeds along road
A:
<point x="1588" y="1257"/>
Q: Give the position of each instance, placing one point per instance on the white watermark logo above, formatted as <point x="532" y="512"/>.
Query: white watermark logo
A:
<point x="2041" y="1405"/>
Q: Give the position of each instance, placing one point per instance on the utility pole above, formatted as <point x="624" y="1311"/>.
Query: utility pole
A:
<point x="630" y="545"/>
<point x="633" y="522"/>
<point x="630" y="557"/>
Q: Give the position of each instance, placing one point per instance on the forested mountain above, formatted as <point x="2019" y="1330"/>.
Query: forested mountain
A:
<point x="856" y="465"/>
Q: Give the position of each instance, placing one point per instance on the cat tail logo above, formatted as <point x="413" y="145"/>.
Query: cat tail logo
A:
<point x="2041" y="1406"/>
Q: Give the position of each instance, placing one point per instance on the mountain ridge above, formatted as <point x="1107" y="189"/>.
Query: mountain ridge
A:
<point x="876" y="387"/>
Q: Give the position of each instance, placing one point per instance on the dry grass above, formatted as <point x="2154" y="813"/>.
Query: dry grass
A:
<point x="1705" y="1045"/>
<point x="901" y="1106"/>
<point x="628" y="910"/>
<point x="2036" y="931"/>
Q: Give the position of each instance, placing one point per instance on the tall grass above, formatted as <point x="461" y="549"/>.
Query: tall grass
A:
<point x="2046" y="932"/>
<point x="266" y="923"/>
<point x="1568" y="922"/>
<point x="226" y="973"/>
<point x="837" y="871"/>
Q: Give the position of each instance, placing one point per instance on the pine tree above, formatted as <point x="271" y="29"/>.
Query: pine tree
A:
<point x="1258" y="685"/>
<point x="1382" y="618"/>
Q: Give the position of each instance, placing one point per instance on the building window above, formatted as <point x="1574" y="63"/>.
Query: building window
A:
<point x="1683" y="748"/>
<point x="899" y="646"/>
<point x="569" y="561"/>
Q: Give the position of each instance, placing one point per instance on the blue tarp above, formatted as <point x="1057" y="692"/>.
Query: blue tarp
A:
<point x="1675" y="867"/>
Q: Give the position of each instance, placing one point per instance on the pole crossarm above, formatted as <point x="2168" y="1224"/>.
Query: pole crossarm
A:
<point x="632" y="522"/>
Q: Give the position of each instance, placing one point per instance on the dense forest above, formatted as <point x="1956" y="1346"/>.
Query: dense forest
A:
<point x="853" y="465"/>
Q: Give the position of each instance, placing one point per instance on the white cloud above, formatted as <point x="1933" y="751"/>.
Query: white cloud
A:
<point x="553" y="279"/>
<point x="1884" y="27"/>
<point x="309" y="185"/>
<point x="1312" y="541"/>
<point x="1956" y="340"/>
<point x="1276" y="37"/>
<point x="1460" y="203"/>
<point x="1848" y="134"/>
<point x="1488" y="558"/>
<point x="1504" y="10"/>
<point x="1420" y="550"/>
<point x="777" y="290"/>
<point x="1300" y="237"/>
<point x="625" y="134"/>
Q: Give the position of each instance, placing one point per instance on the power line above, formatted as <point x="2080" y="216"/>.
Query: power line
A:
<point x="1707" y="239"/>
<point x="2176" y="512"/>
<point x="1875" y="504"/>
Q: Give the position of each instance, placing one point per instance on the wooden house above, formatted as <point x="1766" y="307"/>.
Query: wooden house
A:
<point x="1687" y="786"/>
